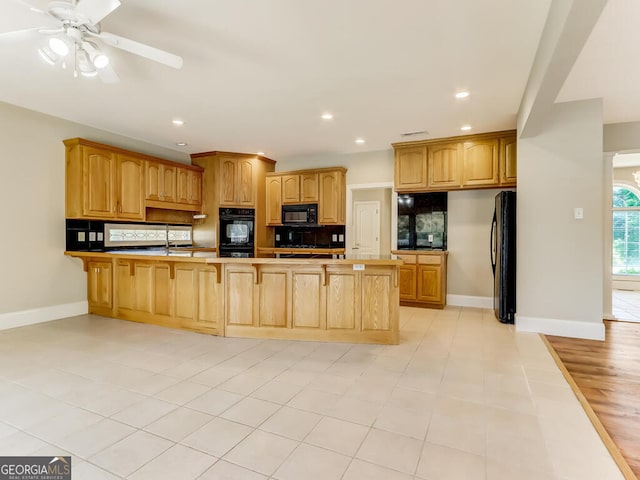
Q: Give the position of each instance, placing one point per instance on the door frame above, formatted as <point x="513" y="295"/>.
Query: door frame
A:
<point x="349" y="213"/>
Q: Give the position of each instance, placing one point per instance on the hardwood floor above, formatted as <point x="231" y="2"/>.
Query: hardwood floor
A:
<point x="608" y="375"/>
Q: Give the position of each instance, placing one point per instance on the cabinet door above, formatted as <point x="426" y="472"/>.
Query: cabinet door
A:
<point x="308" y="298"/>
<point x="443" y="166"/>
<point x="153" y="182"/>
<point x="273" y="201"/>
<point x="240" y="295"/>
<point x="130" y="176"/>
<point x="429" y="285"/>
<point x="245" y="186"/>
<point x="210" y="295"/>
<point x="274" y="307"/>
<point x="407" y="282"/>
<point x="99" y="284"/>
<point x="168" y="175"/>
<point x="183" y="188"/>
<point x="309" y="188"/>
<point x="99" y="183"/>
<point x="343" y="298"/>
<point x="290" y="189"/>
<point x="480" y="164"/>
<point x="410" y="169"/>
<point x="125" y="291"/>
<point x="227" y="185"/>
<point x="508" y="161"/>
<point x="331" y="199"/>
<point x="186" y="289"/>
<point x="163" y="294"/>
<point x="195" y="187"/>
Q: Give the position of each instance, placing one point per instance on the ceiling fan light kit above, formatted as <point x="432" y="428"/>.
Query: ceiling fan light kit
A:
<point x="79" y="29"/>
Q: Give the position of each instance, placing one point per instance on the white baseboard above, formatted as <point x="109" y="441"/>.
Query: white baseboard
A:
<point x="469" y="301"/>
<point x="561" y="328"/>
<point x="44" y="314"/>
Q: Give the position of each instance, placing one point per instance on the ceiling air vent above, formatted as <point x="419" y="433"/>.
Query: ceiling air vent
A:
<point x="410" y="134"/>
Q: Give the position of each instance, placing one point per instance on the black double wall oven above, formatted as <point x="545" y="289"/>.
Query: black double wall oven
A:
<point x="237" y="227"/>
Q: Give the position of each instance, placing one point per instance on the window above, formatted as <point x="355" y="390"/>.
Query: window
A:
<point x="626" y="230"/>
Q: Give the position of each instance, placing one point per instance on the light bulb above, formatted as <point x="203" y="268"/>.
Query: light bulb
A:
<point x="100" y="60"/>
<point x="59" y="46"/>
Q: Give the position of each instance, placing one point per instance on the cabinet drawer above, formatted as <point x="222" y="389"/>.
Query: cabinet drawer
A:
<point x="430" y="259"/>
<point x="407" y="258"/>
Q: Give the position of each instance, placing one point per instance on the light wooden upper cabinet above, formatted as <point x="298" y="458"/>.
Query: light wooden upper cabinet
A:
<point x="102" y="184"/>
<point x="410" y="168"/>
<point x="480" y="163"/>
<point x="237" y="182"/>
<point x="508" y="164"/>
<point x="486" y="160"/>
<point x="308" y="187"/>
<point x="444" y="166"/>
<point x="290" y="189"/>
<point x="274" y="200"/>
<point x="331" y="204"/>
<point x="189" y="186"/>
<point x="98" y="183"/>
<point x="129" y="187"/>
<point x="105" y="182"/>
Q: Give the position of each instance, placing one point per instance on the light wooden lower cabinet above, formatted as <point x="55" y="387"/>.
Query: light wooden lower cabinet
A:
<point x="99" y="286"/>
<point x="323" y="302"/>
<point x="423" y="278"/>
<point x="297" y="301"/>
<point x="174" y="295"/>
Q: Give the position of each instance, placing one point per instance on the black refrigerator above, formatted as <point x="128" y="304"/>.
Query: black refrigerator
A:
<point x="503" y="257"/>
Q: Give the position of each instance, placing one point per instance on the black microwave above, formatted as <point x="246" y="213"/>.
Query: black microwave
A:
<point x="300" y="214"/>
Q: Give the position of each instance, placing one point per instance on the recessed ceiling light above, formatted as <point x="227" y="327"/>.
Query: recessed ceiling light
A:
<point x="177" y="122"/>
<point x="259" y="153"/>
<point x="462" y="94"/>
<point x="465" y="127"/>
<point x="327" y="116"/>
<point x="181" y="144"/>
<point x="359" y="141"/>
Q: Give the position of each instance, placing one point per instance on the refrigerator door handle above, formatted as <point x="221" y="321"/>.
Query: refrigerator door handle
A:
<point x="494" y="225"/>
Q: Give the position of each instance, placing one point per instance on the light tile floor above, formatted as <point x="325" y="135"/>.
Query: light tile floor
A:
<point x="626" y="305"/>
<point x="462" y="397"/>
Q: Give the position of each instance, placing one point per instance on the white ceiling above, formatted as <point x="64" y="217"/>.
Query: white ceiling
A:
<point x="258" y="74"/>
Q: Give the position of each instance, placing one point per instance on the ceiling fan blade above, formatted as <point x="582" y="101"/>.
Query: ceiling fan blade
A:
<point x="30" y="6"/>
<point x="96" y="10"/>
<point x="18" y="33"/>
<point x="108" y="74"/>
<point x="141" y="49"/>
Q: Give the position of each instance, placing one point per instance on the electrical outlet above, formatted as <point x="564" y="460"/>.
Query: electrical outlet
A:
<point x="358" y="266"/>
<point x="341" y="238"/>
<point x="92" y="236"/>
<point x="100" y="236"/>
<point x="277" y="237"/>
<point x="334" y="237"/>
<point x="82" y="236"/>
<point x="430" y="238"/>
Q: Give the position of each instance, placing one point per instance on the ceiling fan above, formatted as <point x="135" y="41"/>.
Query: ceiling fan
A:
<point x="76" y="38"/>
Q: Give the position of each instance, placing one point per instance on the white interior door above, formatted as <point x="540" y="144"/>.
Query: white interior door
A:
<point x="366" y="228"/>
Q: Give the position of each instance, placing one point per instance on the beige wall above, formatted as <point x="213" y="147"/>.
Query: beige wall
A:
<point x="382" y="195"/>
<point x="560" y="259"/>
<point x="35" y="273"/>
<point x="625" y="174"/>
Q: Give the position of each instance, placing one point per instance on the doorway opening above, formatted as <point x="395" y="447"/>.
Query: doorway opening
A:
<point x="371" y="219"/>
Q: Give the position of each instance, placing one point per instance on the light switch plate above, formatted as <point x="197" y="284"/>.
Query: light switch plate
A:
<point x="334" y="237"/>
<point x="341" y="238"/>
<point x="100" y="236"/>
<point x="358" y="266"/>
<point x="82" y="236"/>
<point x="430" y="238"/>
<point x="277" y="237"/>
<point x="92" y="236"/>
<point x="578" y="213"/>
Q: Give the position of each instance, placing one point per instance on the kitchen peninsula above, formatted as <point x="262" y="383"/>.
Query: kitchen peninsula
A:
<point x="350" y="299"/>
